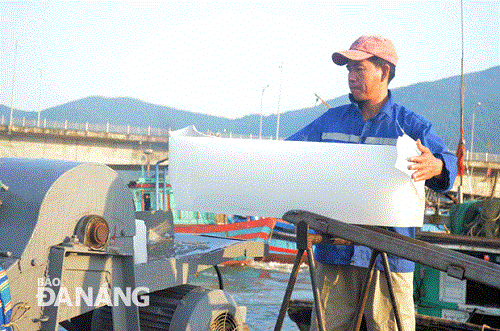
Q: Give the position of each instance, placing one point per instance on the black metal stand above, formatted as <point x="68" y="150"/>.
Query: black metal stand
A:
<point x="304" y="244"/>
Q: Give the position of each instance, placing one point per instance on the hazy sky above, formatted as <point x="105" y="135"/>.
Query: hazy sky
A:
<point x="216" y="58"/>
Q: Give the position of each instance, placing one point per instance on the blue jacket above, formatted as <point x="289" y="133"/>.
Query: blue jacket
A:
<point x="345" y="124"/>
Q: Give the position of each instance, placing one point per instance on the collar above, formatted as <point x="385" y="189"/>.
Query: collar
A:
<point x="384" y="111"/>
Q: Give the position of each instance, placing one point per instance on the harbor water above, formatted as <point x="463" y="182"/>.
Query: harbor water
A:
<point x="260" y="287"/>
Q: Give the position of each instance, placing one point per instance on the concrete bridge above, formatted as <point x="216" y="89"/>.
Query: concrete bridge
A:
<point x="120" y="147"/>
<point x="115" y="146"/>
<point x="125" y="147"/>
<point x="481" y="176"/>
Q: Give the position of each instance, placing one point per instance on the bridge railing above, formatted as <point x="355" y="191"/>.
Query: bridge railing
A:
<point x="151" y="131"/>
<point x="91" y="127"/>
<point x="108" y="128"/>
<point x="482" y="157"/>
<point x="240" y="136"/>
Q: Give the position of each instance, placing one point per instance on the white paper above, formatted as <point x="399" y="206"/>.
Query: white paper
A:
<point x="353" y="183"/>
<point x="407" y="147"/>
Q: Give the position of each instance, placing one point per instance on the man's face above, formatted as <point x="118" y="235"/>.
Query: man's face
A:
<point x="365" y="80"/>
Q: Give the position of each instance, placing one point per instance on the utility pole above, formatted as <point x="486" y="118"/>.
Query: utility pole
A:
<point x="279" y="99"/>
<point x="261" y="98"/>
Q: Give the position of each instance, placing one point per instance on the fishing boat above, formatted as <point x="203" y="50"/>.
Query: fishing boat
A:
<point x="470" y="228"/>
<point x="300" y="313"/>
<point x="155" y="193"/>
<point x="282" y="244"/>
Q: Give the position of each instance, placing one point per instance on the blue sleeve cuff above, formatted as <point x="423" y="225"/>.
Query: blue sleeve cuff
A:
<point x="449" y="174"/>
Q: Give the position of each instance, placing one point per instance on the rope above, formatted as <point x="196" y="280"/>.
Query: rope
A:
<point x="13" y="323"/>
<point x="485" y="222"/>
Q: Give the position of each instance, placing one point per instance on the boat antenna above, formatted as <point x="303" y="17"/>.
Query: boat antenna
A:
<point x="322" y="101"/>
<point x="461" y="145"/>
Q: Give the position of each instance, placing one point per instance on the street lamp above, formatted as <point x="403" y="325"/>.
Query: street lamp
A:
<point x="13" y="80"/>
<point x="39" y="97"/>
<point x="261" y="98"/>
<point x="472" y="149"/>
<point x="472" y="130"/>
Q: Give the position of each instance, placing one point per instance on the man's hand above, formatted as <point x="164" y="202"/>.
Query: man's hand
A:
<point x="426" y="165"/>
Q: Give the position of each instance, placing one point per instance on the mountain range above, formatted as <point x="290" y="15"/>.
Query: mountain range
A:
<point x="438" y="101"/>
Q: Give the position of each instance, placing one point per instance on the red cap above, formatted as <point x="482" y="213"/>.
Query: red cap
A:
<point x="365" y="47"/>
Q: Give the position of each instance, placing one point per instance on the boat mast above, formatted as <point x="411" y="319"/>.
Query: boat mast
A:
<point x="461" y="144"/>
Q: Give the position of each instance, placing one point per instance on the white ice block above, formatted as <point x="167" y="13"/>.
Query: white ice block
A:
<point x="353" y="183"/>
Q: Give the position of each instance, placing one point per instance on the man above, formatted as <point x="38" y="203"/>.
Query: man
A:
<point x="373" y="117"/>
